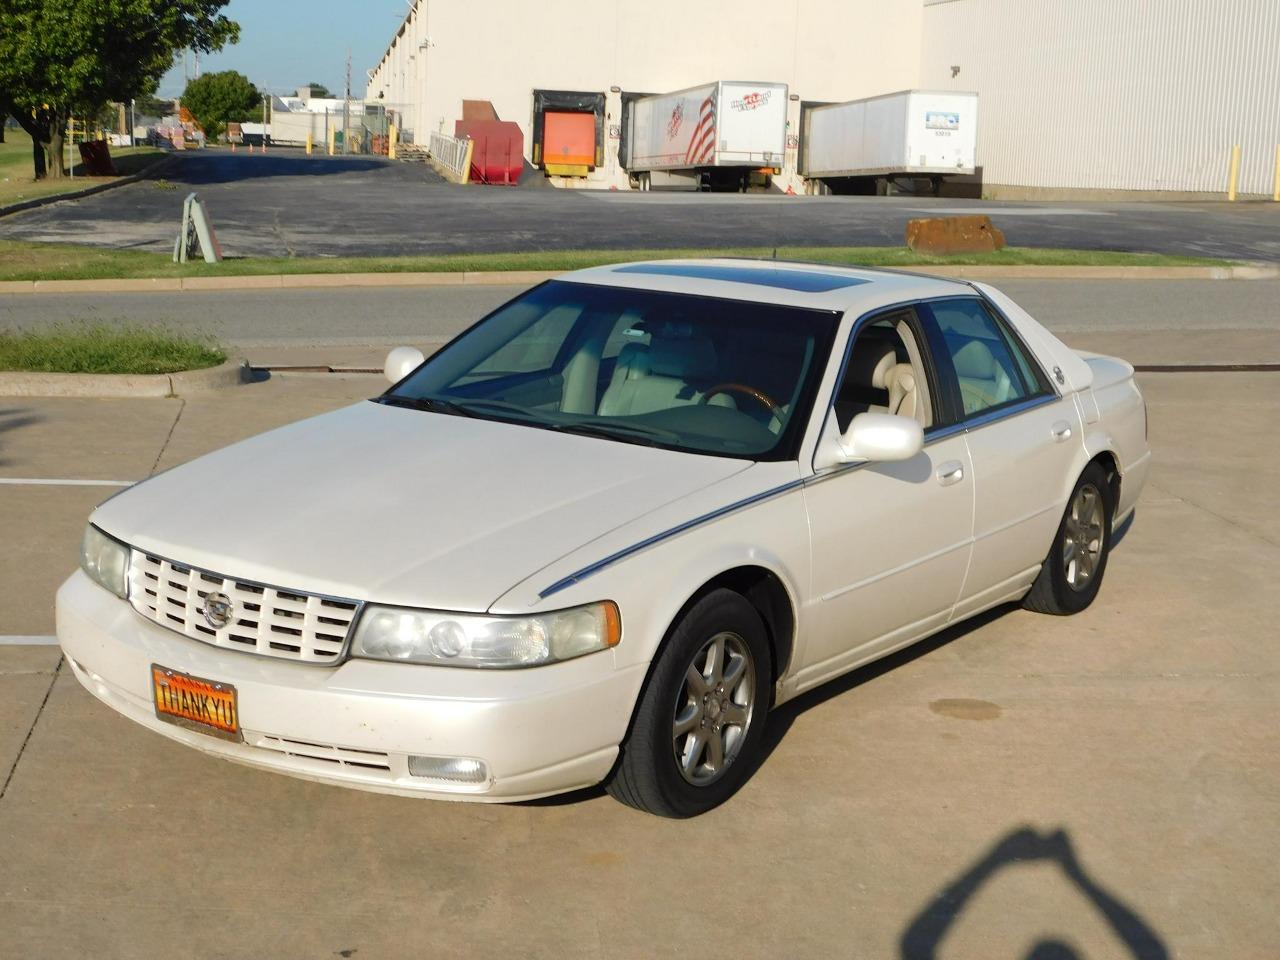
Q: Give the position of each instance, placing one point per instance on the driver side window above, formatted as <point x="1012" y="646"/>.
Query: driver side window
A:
<point x="885" y="372"/>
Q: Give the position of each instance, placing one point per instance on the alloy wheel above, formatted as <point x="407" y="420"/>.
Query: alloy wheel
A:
<point x="1082" y="539"/>
<point x="714" y="709"/>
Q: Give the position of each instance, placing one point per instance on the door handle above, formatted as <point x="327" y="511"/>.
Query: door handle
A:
<point x="950" y="472"/>
<point x="1061" y="431"/>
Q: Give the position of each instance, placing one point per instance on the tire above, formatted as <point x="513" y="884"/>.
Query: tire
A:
<point x="650" y="775"/>
<point x="1072" y="573"/>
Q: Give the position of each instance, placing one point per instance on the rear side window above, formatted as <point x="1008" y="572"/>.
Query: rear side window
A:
<point x="992" y="368"/>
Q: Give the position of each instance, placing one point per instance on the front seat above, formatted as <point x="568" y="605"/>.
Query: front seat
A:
<point x="660" y="376"/>
<point x="865" y="380"/>
<point x="900" y="381"/>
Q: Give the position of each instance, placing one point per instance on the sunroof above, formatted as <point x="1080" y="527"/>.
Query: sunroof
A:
<point x="804" y="281"/>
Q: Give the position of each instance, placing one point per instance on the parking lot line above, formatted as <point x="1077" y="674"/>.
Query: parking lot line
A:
<point x="28" y="641"/>
<point x="42" y="482"/>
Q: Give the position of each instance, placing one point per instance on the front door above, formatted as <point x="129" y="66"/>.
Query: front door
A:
<point x="890" y="541"/>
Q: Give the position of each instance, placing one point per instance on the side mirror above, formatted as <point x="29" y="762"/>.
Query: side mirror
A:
<point x="881" y="437"/>
<point x="401" y="362"/>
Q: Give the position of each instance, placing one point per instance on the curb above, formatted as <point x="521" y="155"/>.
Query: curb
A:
<point x="23" y="384"/>
<point x="87" y="191"/>
<point x="317" y="281"/>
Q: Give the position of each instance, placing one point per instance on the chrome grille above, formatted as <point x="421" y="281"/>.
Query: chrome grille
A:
<point x="267" y="620"/>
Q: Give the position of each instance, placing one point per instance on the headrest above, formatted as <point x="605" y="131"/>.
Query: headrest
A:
<point x="901" y="377"/>
<point x="684" y="358"/>
<point x="975" y="361"/>
<point x="870" y="363"/>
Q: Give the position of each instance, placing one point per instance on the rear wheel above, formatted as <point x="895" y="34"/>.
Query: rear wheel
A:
<point x="1072" y="573"/>
<point x="701" y="718"/>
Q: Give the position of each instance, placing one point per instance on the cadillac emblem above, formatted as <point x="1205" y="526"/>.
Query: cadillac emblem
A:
<point x="218" y="610"/>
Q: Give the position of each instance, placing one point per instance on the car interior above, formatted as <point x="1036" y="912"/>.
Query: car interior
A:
<point x="985" y="366"/>
<point x="885" y="374"/>
<point x="718" y="375"/>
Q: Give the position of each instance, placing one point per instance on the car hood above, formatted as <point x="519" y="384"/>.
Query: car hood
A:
<point x="400" y="506"/>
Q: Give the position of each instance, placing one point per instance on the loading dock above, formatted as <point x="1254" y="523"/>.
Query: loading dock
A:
<point x="568" y="132"/>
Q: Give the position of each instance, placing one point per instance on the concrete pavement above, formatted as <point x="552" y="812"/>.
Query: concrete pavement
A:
<point x="285" y="204"/>
<point x="1105" y="782"/>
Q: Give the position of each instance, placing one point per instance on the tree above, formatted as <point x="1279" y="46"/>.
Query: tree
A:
<point x="60" y="58"/>
<point x="216" y="98"/>
<point x="320" y="91"/>
<point x="149" y="105"/>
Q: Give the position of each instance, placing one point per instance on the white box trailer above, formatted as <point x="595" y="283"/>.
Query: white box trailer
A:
<point x="912" y="133"/>
<point x="714" y="132"/>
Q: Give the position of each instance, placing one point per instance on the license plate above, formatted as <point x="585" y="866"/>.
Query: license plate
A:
<point x="205" y="706"/>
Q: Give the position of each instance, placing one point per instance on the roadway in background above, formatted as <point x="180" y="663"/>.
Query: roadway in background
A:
<point x="285" y="204"/>
<point x="379" y="315"/>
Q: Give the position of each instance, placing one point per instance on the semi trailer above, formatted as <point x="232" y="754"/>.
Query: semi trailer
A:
<point x="723" y="134"/>
<point x="880" y="141"/>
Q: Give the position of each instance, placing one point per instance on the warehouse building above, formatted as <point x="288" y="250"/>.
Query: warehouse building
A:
<point x="1085" y="97"/>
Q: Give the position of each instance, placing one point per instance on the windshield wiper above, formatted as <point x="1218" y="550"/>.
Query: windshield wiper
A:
<point x="433" y="404"/>
<point x="502" y="409"/>
<point x="626" y="433"/>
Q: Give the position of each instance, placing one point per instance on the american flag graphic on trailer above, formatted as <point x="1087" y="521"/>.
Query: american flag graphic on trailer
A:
<point x="702" y="144"/>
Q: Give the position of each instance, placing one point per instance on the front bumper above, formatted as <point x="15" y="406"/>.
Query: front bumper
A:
<point x="540" y="731"/>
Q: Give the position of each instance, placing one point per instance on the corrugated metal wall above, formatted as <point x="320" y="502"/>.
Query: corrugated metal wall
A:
<point x="1114" y="94"/>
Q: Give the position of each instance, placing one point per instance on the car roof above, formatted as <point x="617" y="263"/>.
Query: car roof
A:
<point x="817" y="286"/>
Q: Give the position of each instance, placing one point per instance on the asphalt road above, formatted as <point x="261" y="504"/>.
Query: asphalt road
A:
<point x="379" y="316"/>
<point x="285" y="204"/>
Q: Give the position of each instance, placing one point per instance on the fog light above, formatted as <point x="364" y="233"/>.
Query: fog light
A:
<point x="449" y="769"/>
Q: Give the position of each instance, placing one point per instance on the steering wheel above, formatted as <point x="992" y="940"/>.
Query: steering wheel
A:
<point x="759" y="396"/>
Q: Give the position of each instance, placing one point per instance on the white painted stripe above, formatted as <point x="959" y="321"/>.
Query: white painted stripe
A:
<point x="26" y="482"/>
<point x="28" y="641"/>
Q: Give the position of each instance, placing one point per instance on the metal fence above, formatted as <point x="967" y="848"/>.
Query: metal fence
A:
<point x="450" y="153"/>
<point x="365" y="130"/>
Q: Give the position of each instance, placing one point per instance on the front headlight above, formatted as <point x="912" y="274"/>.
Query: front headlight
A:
<point x="106" y="561"/>
<point x="469" y="640"/>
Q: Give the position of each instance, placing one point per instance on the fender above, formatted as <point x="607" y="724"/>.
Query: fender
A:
<point x="652" y="585"/>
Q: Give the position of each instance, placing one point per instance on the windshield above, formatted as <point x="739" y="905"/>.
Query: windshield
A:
<point x="722" y="377"/>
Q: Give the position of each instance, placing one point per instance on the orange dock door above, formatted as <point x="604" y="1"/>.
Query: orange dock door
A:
<point x="569" y="139"/>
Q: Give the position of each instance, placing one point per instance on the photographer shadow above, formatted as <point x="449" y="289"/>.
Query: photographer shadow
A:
<point x="924" y="934"/>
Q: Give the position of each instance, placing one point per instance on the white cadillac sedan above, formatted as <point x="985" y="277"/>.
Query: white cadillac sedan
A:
<point x="601" y="533"/>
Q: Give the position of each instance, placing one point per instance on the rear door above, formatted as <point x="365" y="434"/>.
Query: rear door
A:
<point x="1022" y="440"/>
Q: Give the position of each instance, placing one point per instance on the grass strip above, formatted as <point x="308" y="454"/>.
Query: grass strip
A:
<point x="17" y="183"/>
<point x="20" y="260"/>
<point x="103" y="348"/>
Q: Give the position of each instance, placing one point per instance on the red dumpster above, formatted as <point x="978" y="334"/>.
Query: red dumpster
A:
<point x="498" y="154"/>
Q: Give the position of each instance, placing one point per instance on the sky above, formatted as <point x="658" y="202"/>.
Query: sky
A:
<point x="286" y="43"/>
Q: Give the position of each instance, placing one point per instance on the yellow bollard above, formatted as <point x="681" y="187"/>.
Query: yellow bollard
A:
<point x="393" y="138"/>
<point x="1275" y="192"/>
<point x="1234" y="180"/>
<point x="308" y="144"/>
<point x="333" y="140"/>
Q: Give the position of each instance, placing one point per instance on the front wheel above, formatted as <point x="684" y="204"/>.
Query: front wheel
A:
<point x="1072" y="573"/>
<point x="700" y="720"/>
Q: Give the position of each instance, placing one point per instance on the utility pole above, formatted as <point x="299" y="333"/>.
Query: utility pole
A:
<point x="346" y="110"/>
